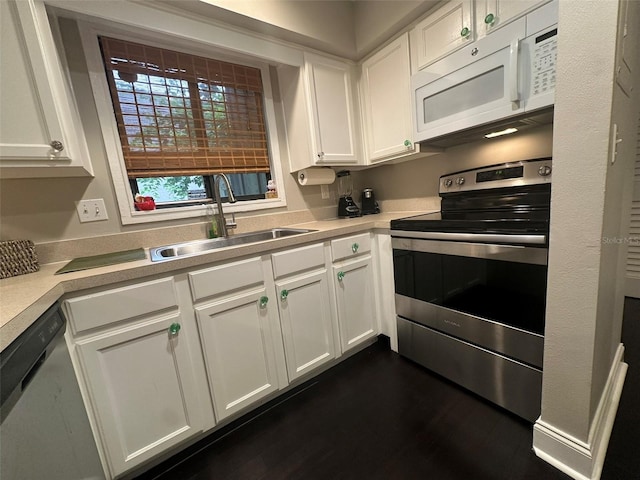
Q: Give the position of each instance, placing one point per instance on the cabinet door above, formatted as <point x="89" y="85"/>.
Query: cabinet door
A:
<point x="141" y="386"/>
<point x="356" y="301"/>
<point x="236" y="335"/>
<point x="442" y="32"/>
<point x="330" y="90"/>
<point x="386" y="87"/>
<point x="491" y="14"/>
<point x="307" y="326"/>
<point x="38" y="112"/>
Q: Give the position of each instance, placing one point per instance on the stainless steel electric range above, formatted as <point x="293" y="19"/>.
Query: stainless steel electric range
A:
<point x="471" y="280"/>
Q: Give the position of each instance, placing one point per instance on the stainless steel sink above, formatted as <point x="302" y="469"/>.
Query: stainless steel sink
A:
<point x="167" y="252"/>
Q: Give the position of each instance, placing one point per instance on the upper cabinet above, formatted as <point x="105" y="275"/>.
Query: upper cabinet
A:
<point x="40" y="131"/>
<point x="330" y="90"/>
<point x="386" y="102"/>
<point x="460" y="22"/>
<point x="492" y="14"/>
<point x="320" y="114"/>
<point x="442" y="32"/>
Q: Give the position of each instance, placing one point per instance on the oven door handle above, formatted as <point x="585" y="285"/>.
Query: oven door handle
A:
<point x="474" y="237"/>
<point x="508" y="253"/>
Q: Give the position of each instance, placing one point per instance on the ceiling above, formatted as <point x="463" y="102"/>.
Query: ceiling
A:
<point x="347" y="28"/>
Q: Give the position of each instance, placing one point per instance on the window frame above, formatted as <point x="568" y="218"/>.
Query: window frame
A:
<point x="89" y="33"/>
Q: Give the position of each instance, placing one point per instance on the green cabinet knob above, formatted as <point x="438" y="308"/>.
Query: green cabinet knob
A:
<point x="489" y="19"/>
<point x="465" y="32"/>
<point x="407" y="143"/>
<point x="340" y="276"/>
<point x="264" y="301"/>
<point x="174" y="328"/>
<point x="355" y="247"/>
<point x="284" y="294"/>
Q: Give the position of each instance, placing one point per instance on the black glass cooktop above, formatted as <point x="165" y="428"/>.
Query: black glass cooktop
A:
<point x="434" y="222"/>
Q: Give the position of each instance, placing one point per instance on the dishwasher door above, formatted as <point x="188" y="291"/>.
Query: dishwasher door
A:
<point x="45" y="431"/>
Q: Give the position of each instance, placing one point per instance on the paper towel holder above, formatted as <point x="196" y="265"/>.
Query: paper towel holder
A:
<point x="316" y="176"/>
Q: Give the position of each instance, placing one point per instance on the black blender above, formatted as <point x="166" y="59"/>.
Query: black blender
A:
<point x="346" y="206"/>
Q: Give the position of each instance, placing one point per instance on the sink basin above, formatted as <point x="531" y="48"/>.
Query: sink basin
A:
<point x="199" y="246"/>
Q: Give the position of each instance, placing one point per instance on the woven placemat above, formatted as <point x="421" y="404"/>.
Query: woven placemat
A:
<point x="17" y="257"/>
<point x="84" y="263"/>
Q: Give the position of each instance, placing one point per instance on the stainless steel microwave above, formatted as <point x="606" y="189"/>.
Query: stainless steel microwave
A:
<point x="506" y="74"/>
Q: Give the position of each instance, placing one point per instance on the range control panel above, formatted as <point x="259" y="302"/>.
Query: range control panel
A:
<point x="525" y="172"/>
<point x="543" y="62"/>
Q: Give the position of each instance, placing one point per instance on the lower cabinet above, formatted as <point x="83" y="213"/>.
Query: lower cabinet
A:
<point x="356" y="301"/>
<point x="354" y="289"/>
<point x="307" y="322"/>
<point x="155" y="359"/>
<point x="142" y="389"/>
<point x="239" y="350"/>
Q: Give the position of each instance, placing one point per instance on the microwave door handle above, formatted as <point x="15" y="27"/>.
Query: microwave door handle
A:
<point x="514" y="57"/>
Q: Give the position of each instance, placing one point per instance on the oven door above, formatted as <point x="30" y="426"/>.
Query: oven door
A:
<point x="492" y="296"/>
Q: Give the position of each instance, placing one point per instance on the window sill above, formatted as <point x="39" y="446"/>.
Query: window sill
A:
<point x="160" y="215"/>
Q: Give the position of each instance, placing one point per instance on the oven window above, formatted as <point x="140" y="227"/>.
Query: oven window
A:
<point x="506" y="292"/>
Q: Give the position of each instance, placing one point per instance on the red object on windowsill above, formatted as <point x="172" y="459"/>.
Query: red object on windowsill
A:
<point x="144" y="203"/>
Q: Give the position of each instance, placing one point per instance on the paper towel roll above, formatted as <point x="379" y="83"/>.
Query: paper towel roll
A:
<point x="316" y="176"/>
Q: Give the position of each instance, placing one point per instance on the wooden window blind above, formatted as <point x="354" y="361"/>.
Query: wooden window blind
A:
<point x="181" y="114"/>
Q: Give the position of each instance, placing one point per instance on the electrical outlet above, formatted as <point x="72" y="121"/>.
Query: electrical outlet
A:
<point x="324" y="191"/>
<point x="92" y="210"/>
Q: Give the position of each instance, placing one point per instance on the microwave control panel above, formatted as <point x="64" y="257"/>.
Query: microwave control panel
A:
<point x="543" y="67"/>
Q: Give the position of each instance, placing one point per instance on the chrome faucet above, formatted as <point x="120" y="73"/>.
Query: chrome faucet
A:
<point x="223" y="225"/>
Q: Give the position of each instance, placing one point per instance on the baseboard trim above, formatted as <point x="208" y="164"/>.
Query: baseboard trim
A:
<point x="580" y="460"/>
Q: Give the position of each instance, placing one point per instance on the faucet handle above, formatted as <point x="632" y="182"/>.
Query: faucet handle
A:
<point x="231" y="223"/>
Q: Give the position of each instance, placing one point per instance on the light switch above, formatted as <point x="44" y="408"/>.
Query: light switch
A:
<point x="92" y="210"/>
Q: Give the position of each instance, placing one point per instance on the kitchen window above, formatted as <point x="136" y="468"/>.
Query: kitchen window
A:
<point x="178" y="119"/>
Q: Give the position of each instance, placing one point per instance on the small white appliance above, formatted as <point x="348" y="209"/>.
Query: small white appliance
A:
<point x="509" y="73"/>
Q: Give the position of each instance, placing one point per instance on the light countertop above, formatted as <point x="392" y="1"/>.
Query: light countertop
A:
<point x="25" y="297"/>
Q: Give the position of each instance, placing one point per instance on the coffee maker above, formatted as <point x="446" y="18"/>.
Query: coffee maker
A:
<point x="346" y="206"/>
<point x="369" y="204"/>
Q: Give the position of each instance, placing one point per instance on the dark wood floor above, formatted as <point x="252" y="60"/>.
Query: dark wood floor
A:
<point x="379" y="416"/>
<point x="623" y="455"/>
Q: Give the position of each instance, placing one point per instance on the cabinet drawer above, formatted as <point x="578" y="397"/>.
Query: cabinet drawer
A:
<point x="297" y="260"/>
<point x="226" y="278"/>
<point x="100" y="309"/>
<point x="350" y="246"/>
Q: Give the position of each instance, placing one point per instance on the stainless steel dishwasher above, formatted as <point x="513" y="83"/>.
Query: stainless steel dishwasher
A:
<point x="44" y="429"/>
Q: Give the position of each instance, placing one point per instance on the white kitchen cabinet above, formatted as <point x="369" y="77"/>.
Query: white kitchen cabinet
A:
<point x="40" y="131"/>
<point x="386" y="102"/>
<point x="239" y="349"/>
<point x="307" y="322"/>
<point x="493" y="14"/>
<point x="442" y="32"/>
<point x="239" y="333"/>
<point x="141" y="388"/>
<point x="156" y="358"/>
<point x="354" y="288"/>
<point x="320" y="113"/>
<point x="136" y="356"/>
<point x="309" y="326"/>
<point x="330" y="84"/>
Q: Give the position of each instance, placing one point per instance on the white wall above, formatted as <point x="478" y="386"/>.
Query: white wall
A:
<point x="590" y="197"/>
<point x="375" y="22"/>
<point x="419" y="178"/>
<point x="43" y="210"/>
<point x="350" y="29"/>
<point x="323" y="25"/>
